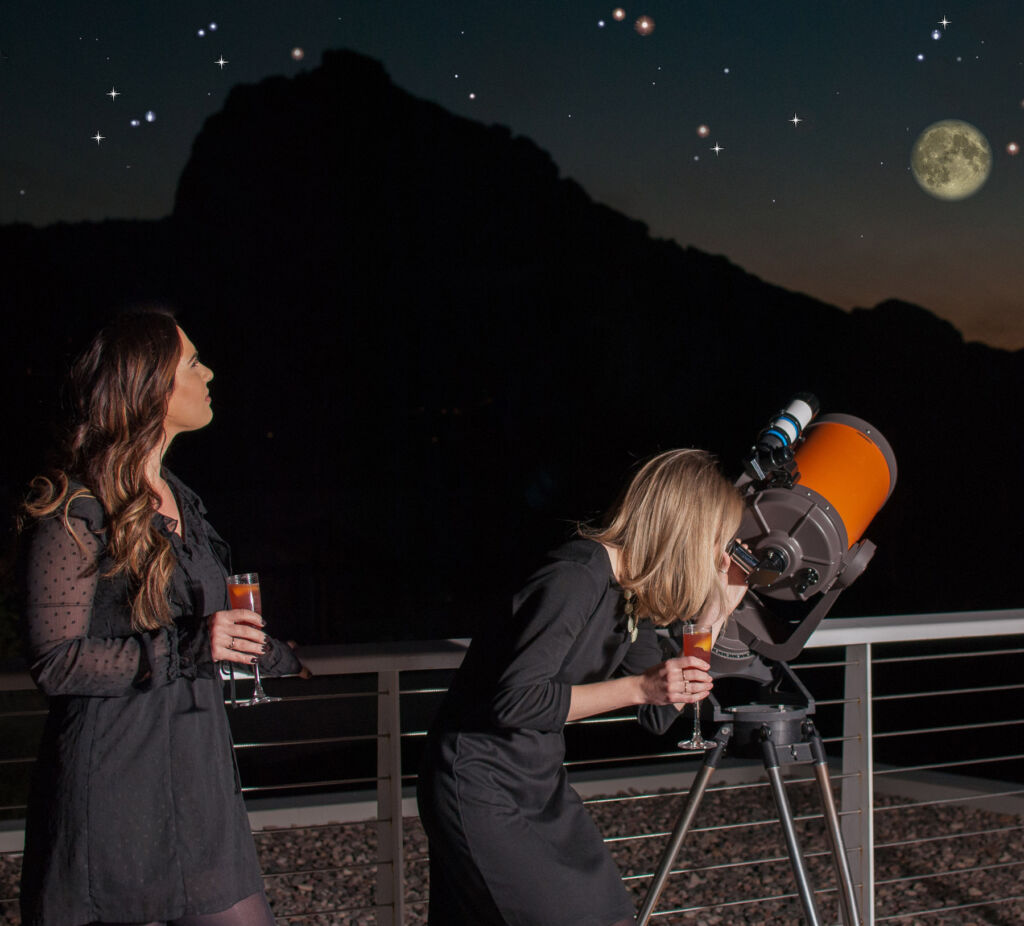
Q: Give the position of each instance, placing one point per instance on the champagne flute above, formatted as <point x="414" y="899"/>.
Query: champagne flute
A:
<point x="696" y="643"/>
<point x="244" y="592"/>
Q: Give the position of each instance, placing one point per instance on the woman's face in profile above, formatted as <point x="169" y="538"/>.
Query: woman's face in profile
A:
<point x="188" y="407"/>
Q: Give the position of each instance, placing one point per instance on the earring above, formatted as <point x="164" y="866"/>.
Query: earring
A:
<point x="630" y="611"/>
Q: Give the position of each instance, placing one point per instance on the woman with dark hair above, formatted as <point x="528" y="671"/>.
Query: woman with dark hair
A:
<point x="136" y="815"/>
<point x="510" y="841"/>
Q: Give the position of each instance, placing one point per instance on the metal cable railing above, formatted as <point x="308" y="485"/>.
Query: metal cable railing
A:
<point x="364" y="745"/>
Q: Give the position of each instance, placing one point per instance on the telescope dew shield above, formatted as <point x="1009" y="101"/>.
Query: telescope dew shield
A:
<point x="851" y="465"/>
<point x="806" y="537"/>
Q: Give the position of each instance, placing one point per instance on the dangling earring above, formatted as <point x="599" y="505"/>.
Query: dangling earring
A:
<point x="630" y="611"/>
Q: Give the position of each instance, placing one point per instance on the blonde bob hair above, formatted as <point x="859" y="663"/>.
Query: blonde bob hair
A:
<point x="671" y="527"/>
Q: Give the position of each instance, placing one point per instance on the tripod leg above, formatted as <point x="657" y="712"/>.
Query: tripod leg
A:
<point x="684" y="822"/>
<point x="796" y="859"/>
<point x="847" y="896"/>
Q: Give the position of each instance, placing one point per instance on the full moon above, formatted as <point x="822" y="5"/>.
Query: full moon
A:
<point x="951" y="159"/>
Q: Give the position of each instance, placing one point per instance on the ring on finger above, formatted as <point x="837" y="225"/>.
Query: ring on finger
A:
<point x="231" y="645"/>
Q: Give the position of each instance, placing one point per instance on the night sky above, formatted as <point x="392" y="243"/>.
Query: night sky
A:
<point x="800" y="175"/>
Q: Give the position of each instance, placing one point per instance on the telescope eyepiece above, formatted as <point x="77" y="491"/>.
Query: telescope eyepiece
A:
<point x="759" y="570"/>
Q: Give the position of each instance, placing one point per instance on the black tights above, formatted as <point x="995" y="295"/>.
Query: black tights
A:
<point x="251" y="911"/>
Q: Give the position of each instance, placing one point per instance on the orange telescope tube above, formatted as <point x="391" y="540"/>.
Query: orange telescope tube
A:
<point x="851" y="466"/>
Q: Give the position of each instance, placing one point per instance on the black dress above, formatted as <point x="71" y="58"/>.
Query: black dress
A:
<point x="136" y="812"/>
<point x="510" y="841"/>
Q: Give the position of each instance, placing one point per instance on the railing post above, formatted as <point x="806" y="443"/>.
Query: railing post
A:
<point x="390" y="897"/>
<point x="858" y="798"/>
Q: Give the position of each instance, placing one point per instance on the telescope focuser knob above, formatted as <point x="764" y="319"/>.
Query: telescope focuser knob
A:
<point x="808" y="578"/>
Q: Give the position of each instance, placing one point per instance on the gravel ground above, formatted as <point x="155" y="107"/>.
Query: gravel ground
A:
<point x="330" y="868"/>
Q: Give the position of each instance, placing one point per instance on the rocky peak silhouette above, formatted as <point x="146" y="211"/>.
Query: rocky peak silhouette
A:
<point x="434" y="354"/>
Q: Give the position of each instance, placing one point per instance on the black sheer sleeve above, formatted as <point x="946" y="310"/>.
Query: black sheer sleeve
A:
<point x="280" y="659"/>
<point x="60" y="586"/>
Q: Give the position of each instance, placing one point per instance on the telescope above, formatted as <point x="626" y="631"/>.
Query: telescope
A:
<point x="810" y="487"/>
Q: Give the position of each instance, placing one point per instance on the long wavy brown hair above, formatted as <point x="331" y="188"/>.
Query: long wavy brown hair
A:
<point x="119" y="388"/>
<point x="671" y="526"/>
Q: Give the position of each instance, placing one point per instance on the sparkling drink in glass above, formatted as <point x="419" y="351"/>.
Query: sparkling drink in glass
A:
<point x="696" y="643"/>
<point x="244" y="593"/>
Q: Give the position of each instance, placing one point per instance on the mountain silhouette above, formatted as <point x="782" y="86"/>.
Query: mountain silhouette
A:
<point x="434" y="355"/>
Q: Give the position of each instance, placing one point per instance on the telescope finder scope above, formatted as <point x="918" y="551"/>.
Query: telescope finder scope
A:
<point x="771" y="457"/>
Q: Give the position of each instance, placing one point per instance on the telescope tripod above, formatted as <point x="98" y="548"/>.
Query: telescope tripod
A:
<point x="784" y="736"/>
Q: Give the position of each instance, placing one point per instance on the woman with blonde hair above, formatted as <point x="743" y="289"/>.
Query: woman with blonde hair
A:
<point x="510" y="841"/>
<point x="136" y="815"/>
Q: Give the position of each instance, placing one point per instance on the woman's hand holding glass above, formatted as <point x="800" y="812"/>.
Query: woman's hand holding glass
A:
<point x="235" y="636"/>
<point x="680" y="680"/>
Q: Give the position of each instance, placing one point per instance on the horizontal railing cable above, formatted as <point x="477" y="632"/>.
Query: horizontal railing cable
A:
<point x="333" y="869"/>
<point x="977" y="725"/>
<point x="715" y="828"/>
<point x="711" y="788"/>
<point x="958" y="799"/>
<point x="329" y="911"/>
<point x="974" y="869"/>
<point x="799" y="667"/>
<point x="732" y="904"/>
<point x="334" y="782"/>
<point x="909" y="695"/>
<point x="326" y="696"/>
<point x="313" y="741"/>
<point x="722" y="866"/>
<point x="278" y="830"/>
<point x="578" y="763"/>
<point x="961" y="834"/>
<point x="954" y="763"/>
<point x="917" y="914"/>
<point x="935" y="657"/>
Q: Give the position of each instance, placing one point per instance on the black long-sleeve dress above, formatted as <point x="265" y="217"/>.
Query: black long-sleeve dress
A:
<point x="135" y="813"/>
<point x="510" y="841"/>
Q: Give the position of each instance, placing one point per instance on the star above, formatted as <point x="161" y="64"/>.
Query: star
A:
<point x="944" y="22"/>
<point x="113" y="94"/>
<point x="796" y="120"/>
<point x="97" y="137"/>
<point x="220" y="62"/>
<point x="644" y="25"/>
<point x="717" y="148"/>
